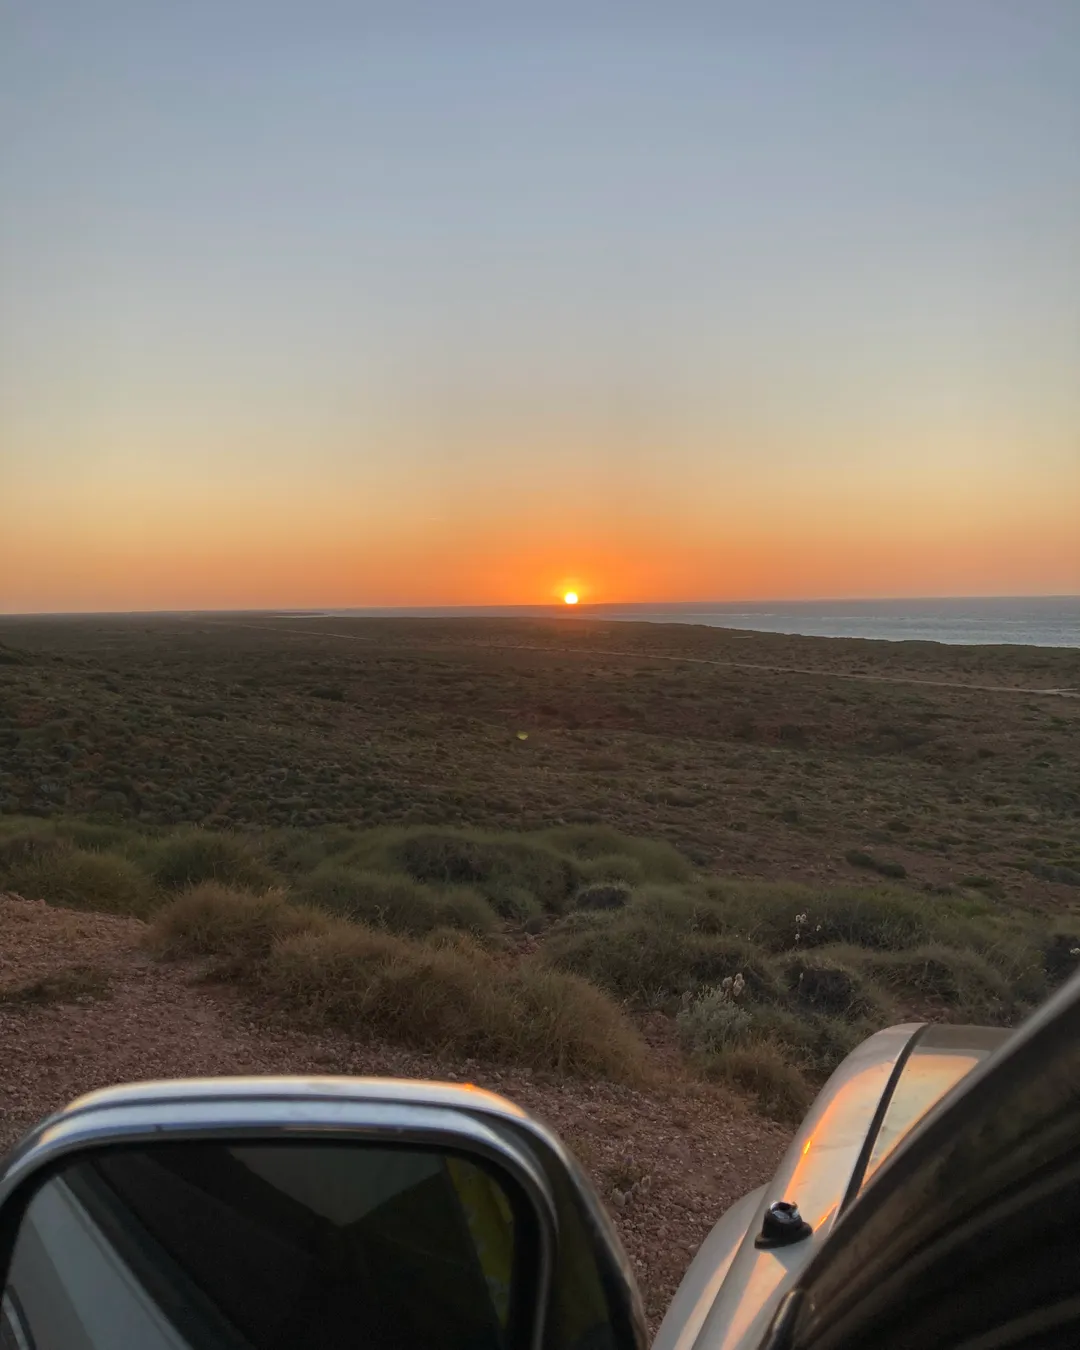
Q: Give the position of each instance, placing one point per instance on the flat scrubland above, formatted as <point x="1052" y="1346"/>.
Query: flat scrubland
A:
<point x="613" y="851"/>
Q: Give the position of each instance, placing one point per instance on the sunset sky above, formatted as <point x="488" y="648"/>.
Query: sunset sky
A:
<point x="351" y="304"/>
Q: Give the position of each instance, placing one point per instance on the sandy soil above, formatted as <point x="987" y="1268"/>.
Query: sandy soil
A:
<point x="82" y="1006"/>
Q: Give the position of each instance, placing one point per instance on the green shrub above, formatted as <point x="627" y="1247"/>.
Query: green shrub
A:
<point x="603" y="895"/>
<point x="293" y="851"/>
<point x="191" y="856"/>
<point x="491" y="864"/>
<point x="95" y="838"/>
<point x="659" y="861"/>
<point x="1057" y="872"/>
<point x="857" y="857"/>
<point x="514" y="903"/>
<point x="761" y="1069"/>
<point x="814" y="1042"/>
<point x="680" y="907"/>
<point x="822" y="984"/>
<point x="19" y="849"/>
<point x="962" y="985"/>
<point x="42" y="867"/>
<point x="443" y="994"/>
<point x="783" y="917"/>
<point x="1061" y="957"/>
<point x="396" y="902"/>
<point x="613" y="867"/>
<point x="635" y="957"/>
<point x="711" y="1021"/>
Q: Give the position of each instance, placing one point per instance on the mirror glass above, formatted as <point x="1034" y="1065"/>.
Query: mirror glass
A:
<point x="256" y="1245"/>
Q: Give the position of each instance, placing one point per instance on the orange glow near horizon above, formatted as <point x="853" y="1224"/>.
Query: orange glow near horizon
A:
<point x="102" y="560"/>
<point x="490" y="322"/>
<point x="570" y="598"/>
<point x="174" y="534"/>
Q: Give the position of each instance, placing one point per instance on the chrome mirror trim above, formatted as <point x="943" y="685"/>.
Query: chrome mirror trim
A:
<point x="338" y="1107"/>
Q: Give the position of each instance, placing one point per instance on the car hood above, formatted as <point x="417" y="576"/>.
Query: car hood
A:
<point x="869" y="1105"/>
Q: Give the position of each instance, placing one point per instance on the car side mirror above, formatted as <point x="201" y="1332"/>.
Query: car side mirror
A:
<point x="247" y="1214"/>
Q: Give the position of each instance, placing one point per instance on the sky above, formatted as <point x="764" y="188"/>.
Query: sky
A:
<point x="358" y="303"/>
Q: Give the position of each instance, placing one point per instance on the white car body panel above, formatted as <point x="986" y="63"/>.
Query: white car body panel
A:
<point x="732" y="1288"/>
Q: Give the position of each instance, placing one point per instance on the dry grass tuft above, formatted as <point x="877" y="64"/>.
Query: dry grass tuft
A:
<point x="763" y="1070"/>
<point x="444" y="994"/>
<point x="239" y="927"/>
<point x="79" y="984"/>
<point x="191" y="856"/>
<point x="49" y="868"/>
<point x="396" y="902"/>
<point x="452" y="997"/>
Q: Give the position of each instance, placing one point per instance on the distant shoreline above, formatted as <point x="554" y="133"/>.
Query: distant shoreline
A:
<point x="1039" y="621"/>
<point x="1014" y="621"/>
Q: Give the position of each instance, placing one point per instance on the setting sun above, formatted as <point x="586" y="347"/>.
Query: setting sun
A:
<point x="570" y="598"/>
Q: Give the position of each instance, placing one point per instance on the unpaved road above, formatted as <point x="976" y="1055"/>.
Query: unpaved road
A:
<point x="123" y="1017"/>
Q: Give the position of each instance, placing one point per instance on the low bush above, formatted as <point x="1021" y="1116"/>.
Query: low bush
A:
<point x="635" y="956"/>
<point x="962" y="985"/>
<point x="680" y="907"/>
<point x="494" y="865"/>
<point x="613" y="867"/>
<point x="445" y="993"/>
<point x="191" y="856"/>
<point x="712" y="1020"/>
<point x="517" y="905"/>
<point x="43" y="867"/>
<point x="822" y="984"/>
<point x="1056" y="872"/>
<point x="452" y="997"/>
<point x="764" y="1071"/>
<point x="1061" y="957"/>
<point x="78" y="984"/>
<point x="395" y="902"/>
<point x="783" y="917"/>
<point x="858" y="858"/>
<point x="295" y="851"/>
<point x="95" y="838"/>
<point x="814" y="1042"/>
<point x="238" y="927"/>
<point x="416" y="923"/>
<point x="596" y="844"/>
<point x="603" y="895"/>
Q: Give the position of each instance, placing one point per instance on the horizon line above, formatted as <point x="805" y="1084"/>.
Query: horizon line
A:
<point x="554" y="606"/>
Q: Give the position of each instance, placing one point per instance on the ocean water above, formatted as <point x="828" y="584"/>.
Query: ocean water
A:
<point x="1039" y="621"/>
